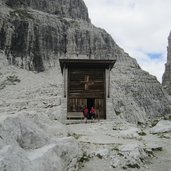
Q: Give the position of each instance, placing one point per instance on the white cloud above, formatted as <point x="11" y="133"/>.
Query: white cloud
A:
<point x="140" y="27"/>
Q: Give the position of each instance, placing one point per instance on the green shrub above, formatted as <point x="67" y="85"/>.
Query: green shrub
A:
<point x="22" y="13"/>
<point x="10" y="80"/>
<point x="84" y="158"/>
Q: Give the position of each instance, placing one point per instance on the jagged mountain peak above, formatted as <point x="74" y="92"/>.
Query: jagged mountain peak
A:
<point x="75" y="9"/>
<point x="166" y="79"/>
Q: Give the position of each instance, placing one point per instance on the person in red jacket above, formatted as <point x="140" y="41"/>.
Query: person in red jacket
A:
<point x="92" y="113"/>
<point x="86" y="114"/>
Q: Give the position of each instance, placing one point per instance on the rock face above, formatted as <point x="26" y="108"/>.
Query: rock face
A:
<point x="162" y="126"/>
<point x="35" y="34"/>
<point x="26" y="145"/>
<point x="74" y="9"/>
<point x="136" y="95"/>
<point x="35" y="39"/>
<point x="166" y="82"/>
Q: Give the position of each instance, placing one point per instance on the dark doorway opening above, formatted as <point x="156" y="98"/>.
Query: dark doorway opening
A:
<point x="90" y="103"/>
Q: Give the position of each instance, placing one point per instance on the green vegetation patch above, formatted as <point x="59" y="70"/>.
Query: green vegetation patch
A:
<point x="84" y="158"/>
<point x="99" y="156"/>
<point x="10" y="80"/>
<point x="154" y="122"/>
<point x="76" y="136"/>
<point x="13" y="79"/>
<point x="134" y="166"/>
<point x="142" y="133"/>
<point x="75" y="24"/>
<point x="22" y="13"/>
<point x="157" y="149"/>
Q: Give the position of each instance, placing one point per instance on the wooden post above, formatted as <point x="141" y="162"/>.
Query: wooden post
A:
<point x="109" y="82"/>
<point x="65" y="44"/>
<point x="106" y="82"/>
<point x="65" y="80"/>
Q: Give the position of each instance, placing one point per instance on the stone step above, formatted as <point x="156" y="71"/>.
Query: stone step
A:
<point x="80" y="121"/>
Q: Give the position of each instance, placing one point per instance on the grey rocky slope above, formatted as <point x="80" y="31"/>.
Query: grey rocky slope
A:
<point x="35" y="34"/>
<point x="33" y="139"/>
<point x="167" y="74"/>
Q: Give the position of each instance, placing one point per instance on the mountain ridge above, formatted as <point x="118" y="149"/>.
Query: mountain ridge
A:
<point x="35" y="40"/>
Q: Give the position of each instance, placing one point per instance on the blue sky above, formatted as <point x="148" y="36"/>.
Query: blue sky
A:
<point x="154" y="55"/>
<point x="140" y="27"/>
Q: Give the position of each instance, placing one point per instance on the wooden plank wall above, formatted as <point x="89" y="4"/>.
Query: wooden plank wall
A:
<point x="78" y="93"/>
<point x="77" y="79"/>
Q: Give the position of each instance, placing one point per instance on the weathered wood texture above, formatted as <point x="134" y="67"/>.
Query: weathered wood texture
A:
<point x="75" y="115"/>
<point x="84" y="83"/>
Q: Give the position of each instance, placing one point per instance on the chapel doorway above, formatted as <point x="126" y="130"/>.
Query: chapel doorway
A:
<point x="90" y="103"/>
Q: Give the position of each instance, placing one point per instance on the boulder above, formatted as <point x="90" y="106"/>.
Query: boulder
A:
<point x="133" y="154"/>
<point x="131" y="133"/>
<point x="162" y="126"/>
<point x="31" y="142"/>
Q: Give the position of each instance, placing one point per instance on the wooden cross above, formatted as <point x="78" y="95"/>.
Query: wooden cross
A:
<point x="87" y="82"/>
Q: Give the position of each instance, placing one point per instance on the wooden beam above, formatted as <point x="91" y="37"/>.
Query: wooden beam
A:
<point x="84" y="63"/>
<point x="109" y="82"/>
<point x="106" y="82"/>
<point x="107" y="73"/>
<point x="65" y="75"/>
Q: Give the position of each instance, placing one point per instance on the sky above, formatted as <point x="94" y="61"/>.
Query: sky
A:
<point x="140" y="27"/>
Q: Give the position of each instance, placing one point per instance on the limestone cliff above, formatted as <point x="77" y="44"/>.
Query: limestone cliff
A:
<point x="74" y="9"/>
<point x="167" y="74"/>
<point x="35" y="39"/>
<point x="34" y="34"/>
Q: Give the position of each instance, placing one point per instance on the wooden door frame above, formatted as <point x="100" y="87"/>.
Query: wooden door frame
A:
<point x="95" y="97"/>
<point x="105" y="64"/>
